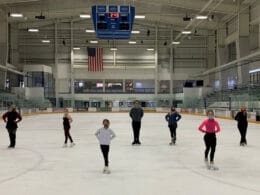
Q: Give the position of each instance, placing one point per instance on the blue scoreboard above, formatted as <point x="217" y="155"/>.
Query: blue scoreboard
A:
<point x="113" y="21"/>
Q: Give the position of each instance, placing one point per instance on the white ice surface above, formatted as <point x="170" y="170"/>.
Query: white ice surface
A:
<point x="40" y="166"/>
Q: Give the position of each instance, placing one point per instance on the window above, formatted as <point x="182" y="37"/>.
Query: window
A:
<point x="114" y="86"/>
<point x="255" y="77"/>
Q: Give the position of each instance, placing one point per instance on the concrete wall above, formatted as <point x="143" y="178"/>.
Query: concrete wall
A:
<point x="29" y="93"/>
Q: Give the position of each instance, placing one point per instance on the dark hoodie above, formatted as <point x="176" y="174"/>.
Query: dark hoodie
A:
<point x="11" y="119"/>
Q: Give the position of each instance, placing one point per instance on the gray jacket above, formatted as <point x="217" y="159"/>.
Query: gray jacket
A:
<point x="136" y="113"/>
<point x="105" y="136"/>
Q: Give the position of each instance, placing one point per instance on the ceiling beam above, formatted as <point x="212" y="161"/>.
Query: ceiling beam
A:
<point x="2" y="2"/>
<point x="225" y="8"/>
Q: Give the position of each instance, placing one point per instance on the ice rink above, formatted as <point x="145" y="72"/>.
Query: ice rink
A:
<point x="40" y="166"/>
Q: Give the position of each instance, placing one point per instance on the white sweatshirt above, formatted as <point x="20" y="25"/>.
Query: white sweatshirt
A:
<point x="105" y="136"/>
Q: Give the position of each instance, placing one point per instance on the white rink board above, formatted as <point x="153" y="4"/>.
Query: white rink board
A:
<point x="40" y="166"/>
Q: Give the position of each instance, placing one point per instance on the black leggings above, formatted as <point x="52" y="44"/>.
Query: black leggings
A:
<point x="67" y="135"/>
<point x="12" y="137"/>
<point x="173" y="128"/>
<point x="136" y="129"/>
<point x="210" y="142"/>
<point x="242" y="129"/>
<point x="105" y="151"/>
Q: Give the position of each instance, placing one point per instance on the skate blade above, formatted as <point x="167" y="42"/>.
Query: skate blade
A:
<point x="106" y="172"/>
<point x="213" y="168"/>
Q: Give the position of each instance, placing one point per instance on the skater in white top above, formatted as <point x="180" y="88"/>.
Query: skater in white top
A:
<point x="104" y="136"/>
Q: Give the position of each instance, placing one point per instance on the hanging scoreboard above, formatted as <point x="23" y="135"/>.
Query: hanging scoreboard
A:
<point x="113" y="21"/>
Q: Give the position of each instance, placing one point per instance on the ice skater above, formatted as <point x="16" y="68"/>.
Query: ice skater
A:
<point x="173" y="117"/>
<point x="104" y="136"/>
<point x="210" y="127"/>
<point x="11" y="118"/>
<point x="67" y="119"/>
<point x="136" y="113"/>
<point x="242" y="123"/>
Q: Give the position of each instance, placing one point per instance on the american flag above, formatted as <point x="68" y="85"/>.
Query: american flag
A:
<point x="95" y="59"/>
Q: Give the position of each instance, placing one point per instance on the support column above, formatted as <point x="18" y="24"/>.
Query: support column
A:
<point x="3" y="46"/>
<point x="3" y="38"/>
<point x="222" y="56"/>
<point x="104" y="85"/>
<point x="114" y="58"/>
<point x="258" y="36"/>
<point x="218" y="74"/>
<point x="71" y="67"/>
<point x="124" y="86"/>
<point x="156" y="61"/>
<point x="211" y="59"/>
<point x="242" y="44"/>
<point x="171" y="64"/>
<point x="14" y="53"/>
<point x="221" y="51"/>
<point x="56" y="64"/>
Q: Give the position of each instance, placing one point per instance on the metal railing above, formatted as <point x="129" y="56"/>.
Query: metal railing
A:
<point x="115" y="91"/>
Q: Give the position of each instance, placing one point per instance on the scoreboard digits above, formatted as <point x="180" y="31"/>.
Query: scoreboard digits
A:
<point x="113" y="15"/>
<point x="113" y="21"/>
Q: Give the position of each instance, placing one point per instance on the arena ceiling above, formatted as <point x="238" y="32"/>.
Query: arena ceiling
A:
<point x="157" y="12"/>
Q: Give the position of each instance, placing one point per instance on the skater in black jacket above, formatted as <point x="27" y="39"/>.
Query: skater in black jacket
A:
<point x="11" y="118"/>
<point x="136" y="113"/>
<point x="241" y="118"/>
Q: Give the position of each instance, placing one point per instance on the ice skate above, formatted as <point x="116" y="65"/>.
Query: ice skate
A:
<point x="72" y="144"/>
<point x="106" y="170"/>
<point x="65" y="145"/>
<point x="10" y="147"/>
<point x="172" y="142"/>
<point x="207" y="163"/>
<point x="213" y="167"/>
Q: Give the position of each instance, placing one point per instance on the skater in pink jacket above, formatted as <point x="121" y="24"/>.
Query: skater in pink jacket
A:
<point x="210" y="127"/>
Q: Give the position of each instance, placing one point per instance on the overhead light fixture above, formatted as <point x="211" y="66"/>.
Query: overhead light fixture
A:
<point x="33" y="30"/>
<point x="132" y="42"/>
<point x="113" y="49"/>
<point x="150" y="49"/>
<point x="202" y="17"/>
<point x="135" y="32"/>
<point x="139" y="17"/>
<point x="254" y="71"/>
<point x="16" y="15"/>
<point x="84" y="16"/>
<point x="176" y="42"/>
<point x="76" y="48"/>
<point x="90" y="31"/>
<point x="46" y="41"/>
<point x="93" y="41"/>
<point x="186" y="32"/>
